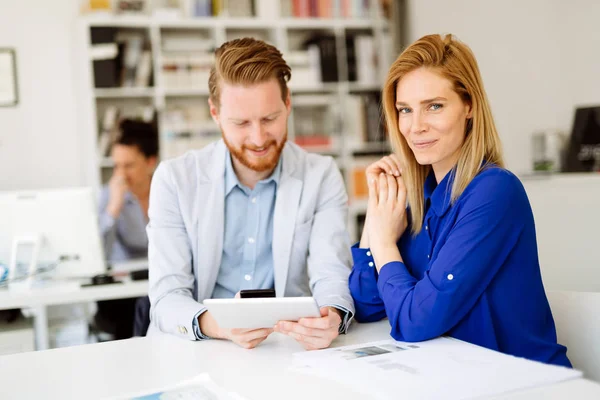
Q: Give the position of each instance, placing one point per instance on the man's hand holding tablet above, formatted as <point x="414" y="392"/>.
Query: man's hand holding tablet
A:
<point x="313" y="333"/>
<point x="246" y="338"/>
<point x="256" y="318"/>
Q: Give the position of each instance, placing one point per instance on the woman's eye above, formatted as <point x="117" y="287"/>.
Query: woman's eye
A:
<point x="436" y="106"/>
<point x="241" y="123"/>
<point x="404" y="110"/>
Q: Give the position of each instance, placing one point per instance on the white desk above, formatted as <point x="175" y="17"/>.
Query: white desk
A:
<point x="71" y="292"/>
<point x="107" y="370"/>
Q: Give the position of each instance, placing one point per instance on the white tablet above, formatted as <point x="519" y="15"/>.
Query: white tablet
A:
<point x="260" y="312"/>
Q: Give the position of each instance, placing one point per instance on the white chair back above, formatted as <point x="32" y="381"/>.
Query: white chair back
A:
<point x="577" y="319"/>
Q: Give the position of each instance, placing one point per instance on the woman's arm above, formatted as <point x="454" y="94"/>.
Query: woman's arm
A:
<point x="363" y="287"/>
<point x="363" y="278"/>
<point x="488" y="227"/>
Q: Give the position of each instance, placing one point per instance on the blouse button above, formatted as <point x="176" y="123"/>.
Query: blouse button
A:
<point x="450" y="277"/>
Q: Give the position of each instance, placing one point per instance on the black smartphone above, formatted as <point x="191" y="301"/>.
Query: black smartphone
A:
<point x="254" y="293"/>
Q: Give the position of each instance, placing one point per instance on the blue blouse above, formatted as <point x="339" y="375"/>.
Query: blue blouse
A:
<point x="471" y="273"/>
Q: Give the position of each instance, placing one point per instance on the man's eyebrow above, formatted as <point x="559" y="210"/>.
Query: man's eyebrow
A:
<point x="273" y="114"/>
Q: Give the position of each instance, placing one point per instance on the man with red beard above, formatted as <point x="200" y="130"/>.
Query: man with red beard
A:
<point x="251" y="211"/>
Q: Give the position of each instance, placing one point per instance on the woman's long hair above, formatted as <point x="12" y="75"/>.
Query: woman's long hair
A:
<point x="454" y="61"/>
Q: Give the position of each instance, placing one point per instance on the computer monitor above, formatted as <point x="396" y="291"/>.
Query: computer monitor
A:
<point x="52" y="225"/>
<point x="583" y="151"/>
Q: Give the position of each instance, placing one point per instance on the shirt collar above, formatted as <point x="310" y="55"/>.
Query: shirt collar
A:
<point x="129" y="197"/>
<point x="231" y="179"/>
<point x="439" y="194"/>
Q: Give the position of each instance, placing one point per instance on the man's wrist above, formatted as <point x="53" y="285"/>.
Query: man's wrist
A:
<point x="341" y="314"/>
<point x="208" y="326"/>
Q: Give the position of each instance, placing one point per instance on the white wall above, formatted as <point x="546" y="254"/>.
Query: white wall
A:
<point x="39" y="142"/>
<point x="538" y="58"/>
<point x="566" y="209"/>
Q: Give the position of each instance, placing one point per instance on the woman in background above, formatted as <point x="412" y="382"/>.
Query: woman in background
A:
<point x="462" y="259"/>
<point x="124" y="201"/>
<point x="123" y="209"/>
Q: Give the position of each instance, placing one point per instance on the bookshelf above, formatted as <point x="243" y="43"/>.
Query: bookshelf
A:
<point x="338" y="63"/>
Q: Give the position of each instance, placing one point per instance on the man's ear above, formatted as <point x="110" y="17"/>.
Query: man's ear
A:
<point x="152" y="162"/>
<point x="214" y="112"/>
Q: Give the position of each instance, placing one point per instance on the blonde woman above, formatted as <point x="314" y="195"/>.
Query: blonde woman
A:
<point x="461" y="259"/>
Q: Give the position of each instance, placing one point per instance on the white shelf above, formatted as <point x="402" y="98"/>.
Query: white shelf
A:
<point x="323" y="87"/>
<point x="123" y="92"/>
<point x="117" y="21"/>
<point x="106" y="162"/>
<point x="371" y="147"/>
<point x="319" y="100"/>
<point x="282" y="32"/>
<point x="185" y="23"/>
<point x="325" y="23"/>
<point x="327" y="150"/>
<point x="134" y="21"/>
<point x="364" y="87"/>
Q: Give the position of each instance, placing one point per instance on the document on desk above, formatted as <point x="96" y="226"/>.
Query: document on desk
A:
<point x="198" y="388"/>
<point x="440" y="368"/>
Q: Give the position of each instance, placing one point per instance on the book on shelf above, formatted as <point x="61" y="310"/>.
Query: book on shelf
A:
<point x="245" y="8"/>
<point x="224" y="8"/>
<point x="327" y="55"/>
<point x="264" y="9"/>
<point x="184" y="41"/>
<point x="327" y="8"/>
<point x="108" y="130"/>
<point x="187" y="58"/>
<point x="314" y="127"/>
<point x="306" y="67"/>
<point x="359" y="188"/>
<point x="143" y="73"/>
<point x="365" y="119"/>
<point x="187" y="127"/>
<point x="186" y="70"/>
<point x="361" y="59"/>
<point x="121" y="58"/>
<point x="133" y="7"/>
<point x="268" y="9"/>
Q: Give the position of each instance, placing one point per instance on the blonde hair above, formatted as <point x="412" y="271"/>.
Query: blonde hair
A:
<point x="247" y="61"/>
<point x="454" y="61"/>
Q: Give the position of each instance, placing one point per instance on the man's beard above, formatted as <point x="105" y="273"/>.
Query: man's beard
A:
<point x="267" y="163"/>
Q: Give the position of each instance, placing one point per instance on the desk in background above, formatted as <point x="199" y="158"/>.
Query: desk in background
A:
<point x="65" y="293"/>
<point x="111" y="369"/>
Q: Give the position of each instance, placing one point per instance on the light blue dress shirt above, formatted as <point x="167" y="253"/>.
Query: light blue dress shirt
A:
<point x="124" y="238"/>
<point x="247" y="261"/>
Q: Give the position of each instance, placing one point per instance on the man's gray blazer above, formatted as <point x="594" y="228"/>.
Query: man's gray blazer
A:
<point x="311" y="246"/>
